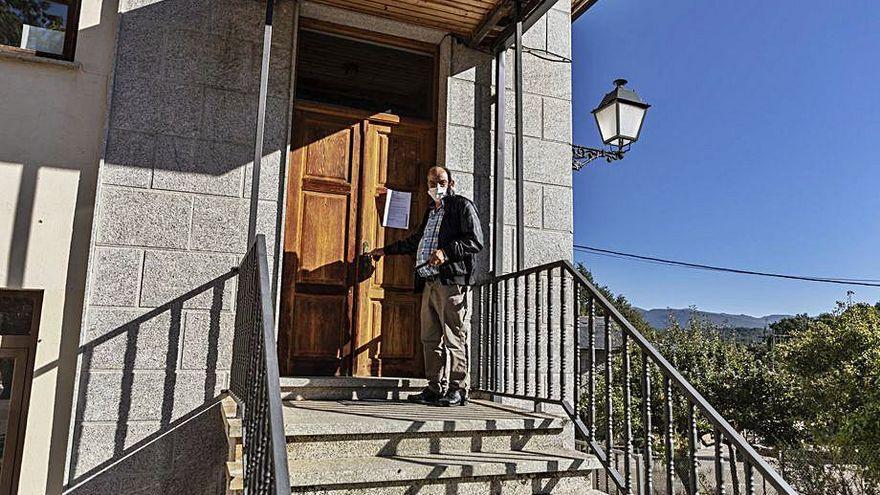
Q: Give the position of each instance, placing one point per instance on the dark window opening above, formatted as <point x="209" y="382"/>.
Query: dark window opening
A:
<point x="43" y="27"/>
<point x="357" y="74"/>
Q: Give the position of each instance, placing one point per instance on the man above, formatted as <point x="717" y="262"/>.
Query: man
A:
<point x="444" y="245"/>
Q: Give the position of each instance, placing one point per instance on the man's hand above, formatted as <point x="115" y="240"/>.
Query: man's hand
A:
<point x="377" y="253"/>
<point x="437" y="258"/>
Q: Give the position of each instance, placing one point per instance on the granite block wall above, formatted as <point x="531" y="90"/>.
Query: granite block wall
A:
<point x="172" y="213"/>
<point x="547" y="177"/>
<point x="470" y="134"/>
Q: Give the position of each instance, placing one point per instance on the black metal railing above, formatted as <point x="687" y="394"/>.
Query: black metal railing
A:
<point x="527" y="347"/>
<point x="253" y="381"/>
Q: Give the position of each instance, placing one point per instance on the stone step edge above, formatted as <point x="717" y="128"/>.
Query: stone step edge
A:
<point x="590" y="464"/>
<point x="346" y="382"/>
<point x="234" y="431"/>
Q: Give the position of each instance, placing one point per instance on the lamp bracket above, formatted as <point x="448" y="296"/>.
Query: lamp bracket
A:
<point x="582" y="155"/>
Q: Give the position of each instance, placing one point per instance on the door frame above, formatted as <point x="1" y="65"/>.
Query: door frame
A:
<point x="396" y="42"/>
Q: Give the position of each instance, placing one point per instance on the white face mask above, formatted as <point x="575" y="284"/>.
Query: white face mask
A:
<point x="437" y="193"/>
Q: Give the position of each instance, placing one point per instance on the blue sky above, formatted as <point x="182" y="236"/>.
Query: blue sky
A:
<point x="760" y="150"/>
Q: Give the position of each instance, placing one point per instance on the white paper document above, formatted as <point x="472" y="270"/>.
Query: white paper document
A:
<point x="397" y="209"/>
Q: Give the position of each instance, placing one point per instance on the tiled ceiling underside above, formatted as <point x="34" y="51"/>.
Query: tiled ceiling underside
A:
<point x="484" y="20"/>
<point x="461" y="17"/>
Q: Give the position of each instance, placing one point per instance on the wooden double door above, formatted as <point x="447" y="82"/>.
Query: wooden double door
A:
<point x="342" y="313"/>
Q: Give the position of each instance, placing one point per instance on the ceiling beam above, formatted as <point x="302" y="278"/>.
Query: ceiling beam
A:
<point x="505" y="40"/>
<point x="578" y="7"/>
<point x="490" y="22"/>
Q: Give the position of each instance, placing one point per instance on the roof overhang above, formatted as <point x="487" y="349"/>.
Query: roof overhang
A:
<point x="578" y="7"/>
<point x="483" y="24"/>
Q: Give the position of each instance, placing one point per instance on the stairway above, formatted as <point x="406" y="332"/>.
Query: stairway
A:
<point x="349" y="436"/>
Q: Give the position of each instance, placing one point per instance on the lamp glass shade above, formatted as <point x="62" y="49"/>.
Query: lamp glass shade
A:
<point x="631" y="118"/>
<point x="606" y="119"/>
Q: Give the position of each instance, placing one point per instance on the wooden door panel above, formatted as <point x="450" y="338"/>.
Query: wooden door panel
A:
<point x="324" y="223"/>
<point x="330" y="155"/>
<point x="400" y="326"/>
<point x="317" y="295"/>
<point x="395" y="157"/>
<point x="404" y="159"/>
<point x="395" y="271"/>
<point x="316" y="313"/>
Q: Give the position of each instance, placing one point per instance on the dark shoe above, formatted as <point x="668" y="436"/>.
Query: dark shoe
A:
<point x="426" y="396"/>
<point x="456" y="397"/>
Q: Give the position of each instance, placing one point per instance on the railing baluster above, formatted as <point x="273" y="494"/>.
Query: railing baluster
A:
<point x="609" y="406"/>
<point x="517" y="357"/>
<point x="529" y="349"/>
<point x="499" y="338"/>
<point x="719" y="467"/>
<point x="750" y="477"/>
<point x="591" y="368"/>
<point x="539" y="315"/>
<point x="564" y="332"/>
<point x="507" y="337"/>
<point x="669" y="431"/>
<point x="648" y="427"/>
<point x="496" y="376"/>
<point x="490" y="337"/>
<point x="692" y="448"/>
<point x="478" y="310"/>
<point x="490" y="354"/>
<point x="576" y="348"/>
<point x="734" y="472"/>
<point x="551" y="359"/>
<point x="627" y="413"/>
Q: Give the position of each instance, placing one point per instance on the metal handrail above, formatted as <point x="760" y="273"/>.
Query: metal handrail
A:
<point x="493" y="366"/>
<point x="254" y="379"/>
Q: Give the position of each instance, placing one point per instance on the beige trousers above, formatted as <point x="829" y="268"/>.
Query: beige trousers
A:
<point x="445" y="336"/>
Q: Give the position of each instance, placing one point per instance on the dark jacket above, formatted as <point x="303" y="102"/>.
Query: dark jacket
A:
<point x="460" y="237"/>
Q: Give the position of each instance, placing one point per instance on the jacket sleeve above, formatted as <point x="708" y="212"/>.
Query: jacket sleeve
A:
<point x="471" y="239"/>
<point x="410" y="243"/>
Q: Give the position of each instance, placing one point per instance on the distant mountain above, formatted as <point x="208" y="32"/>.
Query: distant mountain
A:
<point x="659" y="318"/>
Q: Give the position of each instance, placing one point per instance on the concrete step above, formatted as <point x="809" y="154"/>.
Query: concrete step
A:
<point x="349" y="388"/>
<point x="359" y="428"/>
<point x="513" y="472"/>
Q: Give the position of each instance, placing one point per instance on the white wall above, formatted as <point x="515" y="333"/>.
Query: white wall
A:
<point x="51" y="126"/>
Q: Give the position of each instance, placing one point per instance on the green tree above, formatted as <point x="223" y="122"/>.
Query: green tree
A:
<point x="836" y="361"/>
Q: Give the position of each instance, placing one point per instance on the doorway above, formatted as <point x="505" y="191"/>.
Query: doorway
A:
<point x="363" y="123"/>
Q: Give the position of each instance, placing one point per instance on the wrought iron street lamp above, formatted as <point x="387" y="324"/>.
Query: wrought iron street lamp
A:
<point x="619" y="117"/>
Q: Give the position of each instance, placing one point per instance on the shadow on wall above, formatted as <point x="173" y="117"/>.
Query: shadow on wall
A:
<point x="185" y="450"/>
<point x="172" y="214"/>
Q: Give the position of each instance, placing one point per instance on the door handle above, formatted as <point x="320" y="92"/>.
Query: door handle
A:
<point x="365" y="247"/>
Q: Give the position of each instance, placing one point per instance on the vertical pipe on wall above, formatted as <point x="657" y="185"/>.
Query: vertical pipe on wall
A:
<point x="498" y="225"/>
<point x="518" y="104"/>
<point x="261" y="122"/>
